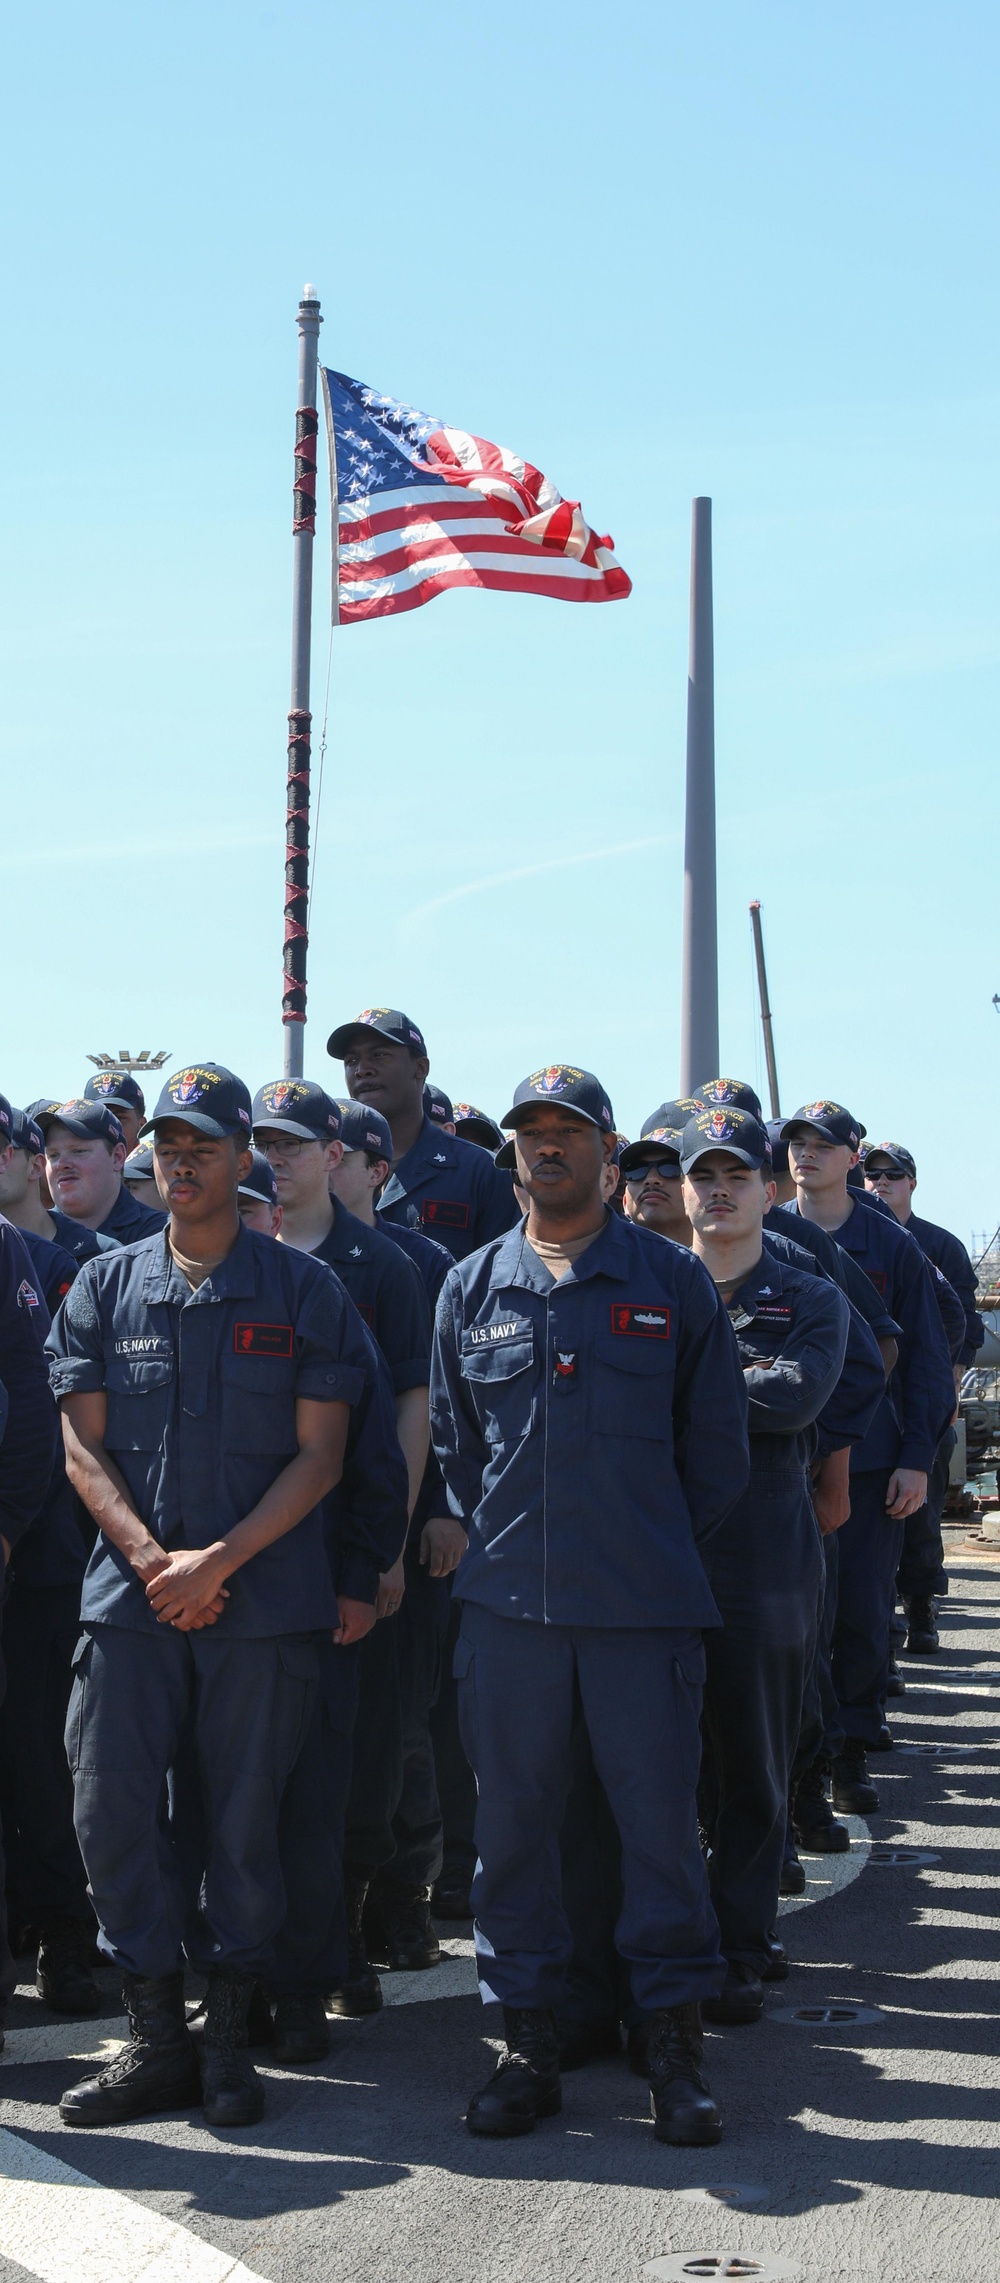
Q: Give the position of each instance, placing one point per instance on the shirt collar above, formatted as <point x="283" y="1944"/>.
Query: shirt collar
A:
<point x="611" y="1254"/>
<point x="349" y="1238"/>
<point x="430" y="1153"/>
<point x="234" y="1279"/>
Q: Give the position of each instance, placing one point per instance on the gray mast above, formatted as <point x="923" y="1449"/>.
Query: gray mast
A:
<point x="700" y="953"/>
<point x="293" y="1003"/>
<point x="766" y="1023"/>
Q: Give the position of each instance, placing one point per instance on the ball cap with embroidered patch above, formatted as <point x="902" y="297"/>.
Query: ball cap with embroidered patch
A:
<point x="363" y="1128"/>
<point x="568" y="1088"/>
<point x="737" y="1132"/>
<point x="209" y="1098"/>
<point x="438" y="1106"/>
<point x="900" y="1159"/>
<point x="673" y="1114"/>
<point x="27" y="1133"/>
<point x="829" y="1119"/>
<point x="389" y="1022"/>
<point x="138" y="1165"/>
<point x="477" y="1126"/>
<point x="260" y="1181"/>
<point x="296" y="1106"/>
<point x="658" y="1141"/>
<point x="729" y="1093"/>
<point x="117" y="1089"/>
<point x="90" y="1121"/>
<point x="8" y="1129"/>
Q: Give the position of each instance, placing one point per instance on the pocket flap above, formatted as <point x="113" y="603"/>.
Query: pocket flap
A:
<point x="503" y="1361"/>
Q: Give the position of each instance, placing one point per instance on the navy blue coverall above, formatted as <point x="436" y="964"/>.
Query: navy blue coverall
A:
<point x="28" y="1446"/>
<point x="906" y="1430"/>
<point x="921" y="1566"/>
<point x="201" y="1391"/>
<point x="592" y="1434"/>
<point x="451" y="1190"/>
<point x="129" y="1219"/>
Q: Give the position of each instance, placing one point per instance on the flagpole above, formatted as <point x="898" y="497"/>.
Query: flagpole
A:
<point x="296" y="944"/>
<point x="700" y="955"/>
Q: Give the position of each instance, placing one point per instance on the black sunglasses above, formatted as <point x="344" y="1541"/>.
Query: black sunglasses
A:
<point x="667" y="1171"/>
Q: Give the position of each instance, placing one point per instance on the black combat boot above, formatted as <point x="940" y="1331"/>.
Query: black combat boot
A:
<point x="301" y="2031"/>
<point x="157" y="2069"/>
<point x="741" y="1998"/>
<point x="637" y="2038"/>
<point x="852" y="1792"/>
<point x="361" y="1991"/>
<point x="62" y="1976"/>
<point x="683" y="2109"/>
<point x="583" y="2041"/>
<point x="231" y="2091"/>
<point x="895" y="1684"/>
<point x="525" y="2083"/>
<point x="793" y="1878"/>
<point x="397" y="1928"/>
<point x="922" y="1639"/>
<point x="776" y="1969"/>
<point x="260" y="2027"/>
<point x="813" y="1821"/>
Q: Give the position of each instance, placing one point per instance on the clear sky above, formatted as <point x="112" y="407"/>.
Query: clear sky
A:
<point x="748" y="251"/>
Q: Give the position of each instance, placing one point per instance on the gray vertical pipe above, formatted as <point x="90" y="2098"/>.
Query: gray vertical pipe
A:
<point x="700" y="950"/>
<point x="297" y="848"/>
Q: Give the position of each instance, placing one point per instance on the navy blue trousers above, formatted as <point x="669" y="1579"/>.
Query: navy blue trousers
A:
<point x="45" y="1871"/>
<point x="311" y="1950"/>
<point x="243" y="1709"/>
<point x="921" y="1563"/>
<point x="456" y="1784"/>
<point x="868" y="1551"/>
<point x="766" y="1570"/>
<point x="639" y="1693"/>
<point x="416" y="1823"/>
<point x="821" y="1735"/>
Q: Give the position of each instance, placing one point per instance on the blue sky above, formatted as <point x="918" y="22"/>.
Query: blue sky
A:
<point x="743" y="251"/>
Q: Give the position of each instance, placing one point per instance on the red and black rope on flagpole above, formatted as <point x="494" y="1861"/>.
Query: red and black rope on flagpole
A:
<point x="296" y="940"/>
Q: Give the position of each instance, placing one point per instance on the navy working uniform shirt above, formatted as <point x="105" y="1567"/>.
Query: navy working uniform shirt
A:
<point x="798" y="1323"/>
<point x="920" y="1398"/>
<point x="29" y="1445"/>
<point x="129" y="1219"/>
<point x="365" y="1514"/>
<point x="451" y="1190"/>
<point x="80" y="1242"/>
<point x="386" y="1291"/>
<point x="201" y="1391"/>
<point x="591" y="1431"/>
<point x="427" y="1255"/>
<point x="847" y="1413"/>
<point x="54" y="1267"/>
<point x="786" y="1220"/>
<point x="948" y="1253"/>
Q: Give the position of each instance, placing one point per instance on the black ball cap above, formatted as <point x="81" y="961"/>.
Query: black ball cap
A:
<point x="90" y="1121"/>
<point x="260" y="1181"/>
<point x="209" y="1098"/>
<point x="830" y="1119"/>
<point x="118" y="1089"/>
<point x="731" y="1094"/>
<point x="738" y="1132"/>
<point x="298" y="1107"/>
<point x="570" y="1089"/>
<point x="389" y="1022"/>
<point x="364" y="1128"/>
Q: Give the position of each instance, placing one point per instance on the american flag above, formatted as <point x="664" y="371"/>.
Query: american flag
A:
<point x="418" y="508"/>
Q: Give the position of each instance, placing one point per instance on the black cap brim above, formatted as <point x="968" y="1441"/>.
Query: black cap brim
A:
<point x="646" y="1152"/>
<point x="340" y="1039"/>
<point x="746" y="1157"/>
<point x="288" y="1126"/>
<point x="506" y="1158"/>
<point x="202" y="1125"/>
<point x="546" y="1101"/>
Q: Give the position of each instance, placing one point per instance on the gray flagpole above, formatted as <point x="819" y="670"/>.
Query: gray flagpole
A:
<point x="296" y="945"/>
<point x="700" y="952"/>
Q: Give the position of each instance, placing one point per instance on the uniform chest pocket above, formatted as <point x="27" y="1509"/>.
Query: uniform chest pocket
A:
<point x="501" y="1382"/>
<point x="138" y="1396"/>
<point x="258" y="1404"/>
<point x="632" y="1387"/>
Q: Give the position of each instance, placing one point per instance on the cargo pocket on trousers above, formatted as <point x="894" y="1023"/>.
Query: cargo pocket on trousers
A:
<point x="77" y="1694"/>
<point x="689" y="1684"/>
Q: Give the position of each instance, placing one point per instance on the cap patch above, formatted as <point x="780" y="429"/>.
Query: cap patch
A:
<point x="106" y="1082"/>
<point x="820" y="1109"/>
<point x="278" y="1096"/>
<point x="639" y="1323"/>
<point x="189" y="1085"/>
<point x="721" y="1089"/>
<point x="716" y="1123"/>
<point x="554" y="1079"/>
<point x="372" y="1014"/>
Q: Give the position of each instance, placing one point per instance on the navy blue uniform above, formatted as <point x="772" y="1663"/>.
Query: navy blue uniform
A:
<point x="81" y="1243"/>
<point x="592" y="1434"/>
<point x="765" y="1567"/>
<point x="451" y="1190"/>
<point x="28" y="1446"/>
<point x="386" y="1292"/>
<point x="433" y="1824"/>
<point x="949" y="1255"/>
<point x="54" y="1267"/>
<point x="201" y="1391"/>
<point x="129" y="1219"/>
<point x="905" y="1432"/>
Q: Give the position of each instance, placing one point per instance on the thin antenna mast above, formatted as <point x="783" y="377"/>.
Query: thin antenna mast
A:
<point x="765" y="1010"/>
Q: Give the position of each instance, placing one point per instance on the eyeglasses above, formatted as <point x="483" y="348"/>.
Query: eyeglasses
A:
<point x="886" y="1173"/>
<point x="662" y="1166"/>
<point x="284" y="1145"/>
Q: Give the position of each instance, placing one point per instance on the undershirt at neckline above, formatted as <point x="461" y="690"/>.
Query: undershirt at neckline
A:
<point x="558" y="1258"/>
